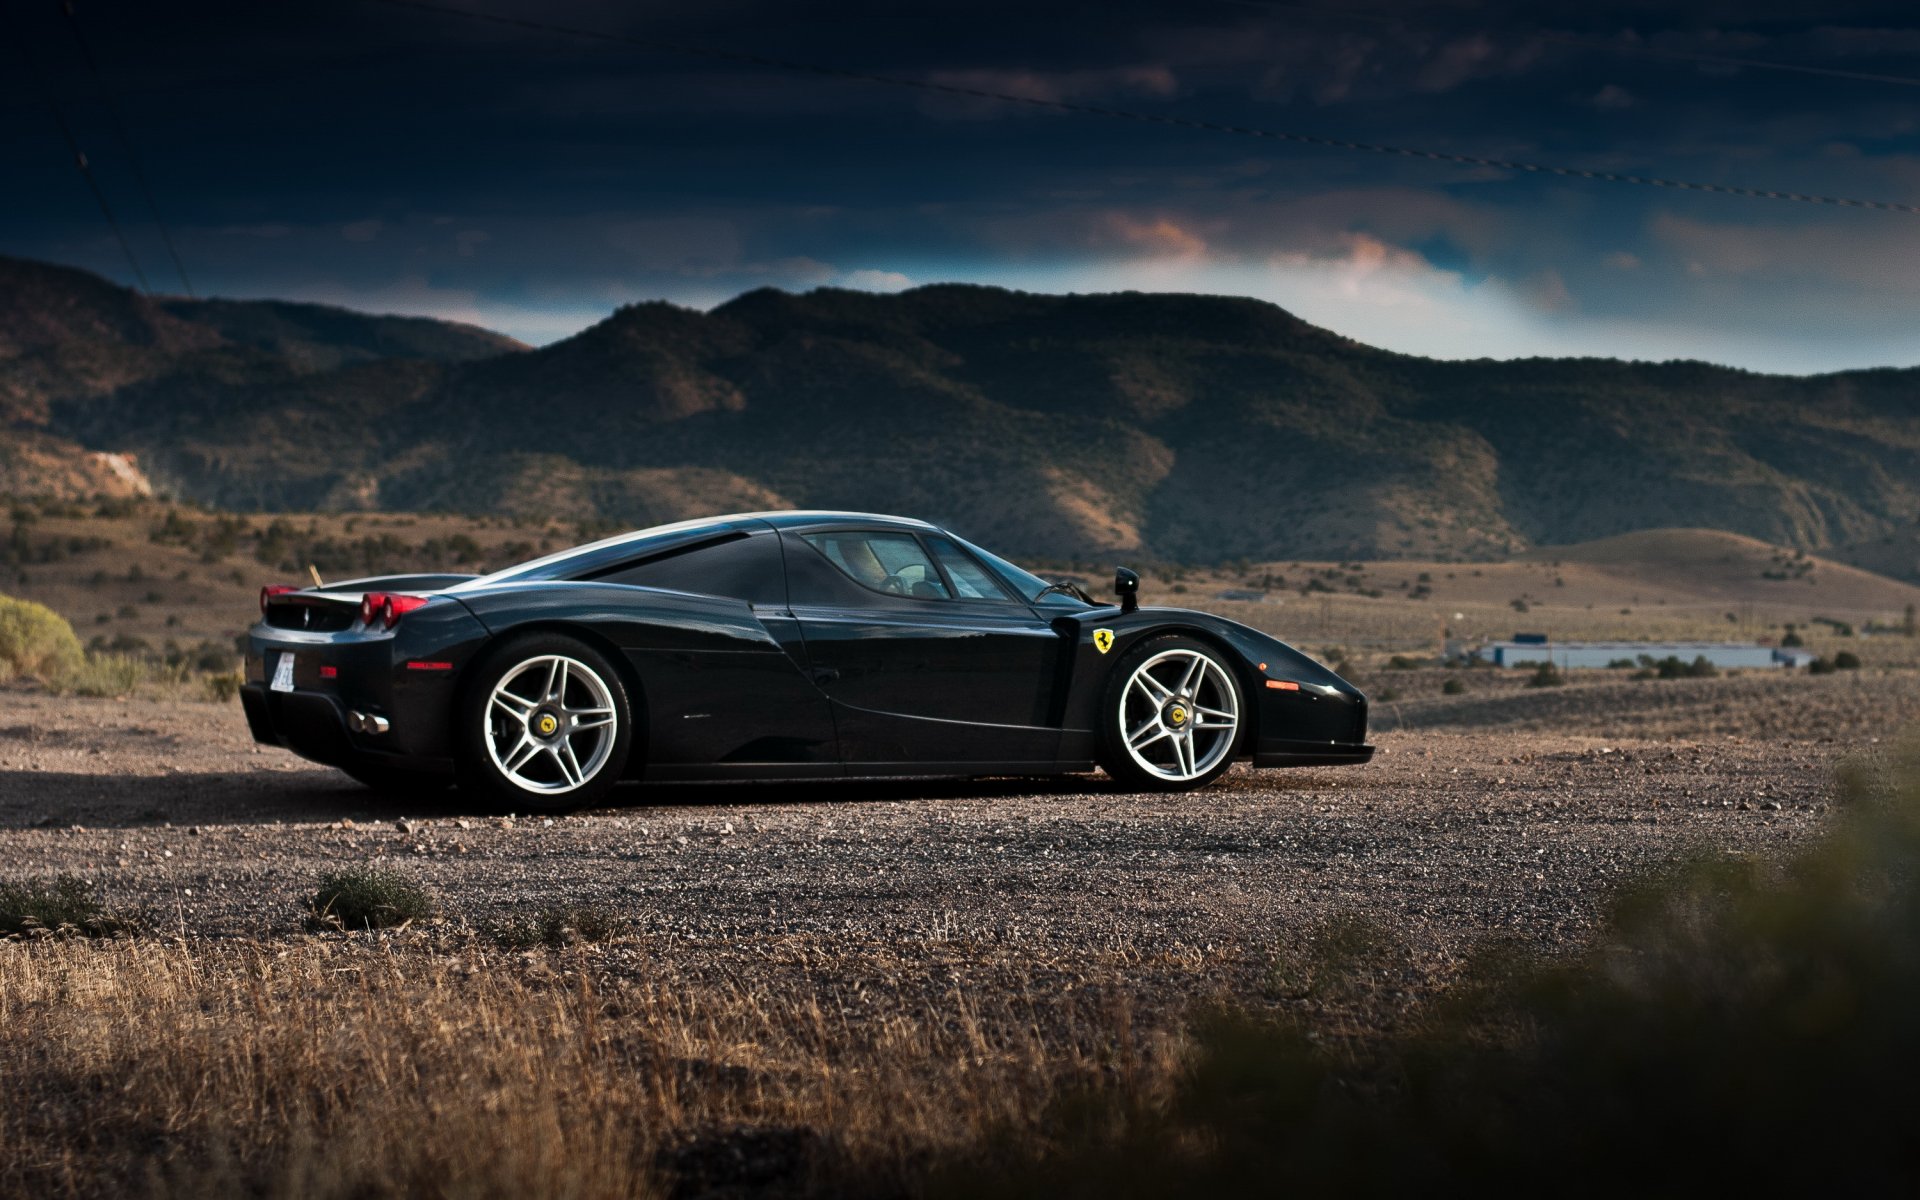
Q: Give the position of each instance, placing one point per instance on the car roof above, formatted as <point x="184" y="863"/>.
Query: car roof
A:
<point x="809" y="518"/>
<point x="681" y="533"/>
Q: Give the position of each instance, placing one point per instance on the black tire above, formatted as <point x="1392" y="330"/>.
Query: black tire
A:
<point x="398" y="782"/>
<point x="1212" y="747"/>
<point x="485" y="731"/>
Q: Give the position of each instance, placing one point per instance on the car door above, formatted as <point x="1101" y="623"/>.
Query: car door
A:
<point x="741" y="710"/>
<point x="928" y="661"/>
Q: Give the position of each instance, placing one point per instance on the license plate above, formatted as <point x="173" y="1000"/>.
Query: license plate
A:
<point x="283" y="674"/>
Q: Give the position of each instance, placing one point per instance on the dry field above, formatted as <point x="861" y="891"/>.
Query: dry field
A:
<point x="812" y="990"/>
<point x="835" y="989"/>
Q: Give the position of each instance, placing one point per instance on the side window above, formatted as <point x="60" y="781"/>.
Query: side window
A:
<point x="970" y="579"/>
<point x="892" y="563"/>
<point x="743" y="568"/>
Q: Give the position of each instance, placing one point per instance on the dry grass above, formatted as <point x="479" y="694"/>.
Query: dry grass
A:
<point x="363" y="1068"/>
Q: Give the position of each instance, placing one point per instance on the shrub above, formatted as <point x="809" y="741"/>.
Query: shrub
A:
<point x="560" y="925"/>
<point x="1453" y="687"/>
<point x="1401" y="662"/>
<point x="1672" y="667"/>
<point x="35" y="641"/>
<point x="103" y="675"/>
<point x="1820" y="666"/>
<point x="367" y="898"/>
<point x="1546" y="675"/>
<point x="1336" y="954"/>
<point x="1743" y="1026"/>
<point x="1846" y="660"/>
<point x="66" y="906"/>
<point x="224" y="687"/>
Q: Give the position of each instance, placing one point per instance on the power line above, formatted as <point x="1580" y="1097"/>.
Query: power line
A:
<point x="79" y="157"/>
<point x="1591" y="43"/>
<point x="1092" y="110"/>
<point x="126" y="142"/>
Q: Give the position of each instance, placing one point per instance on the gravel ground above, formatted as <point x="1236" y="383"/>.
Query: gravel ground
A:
<point x="1505" y="816"/>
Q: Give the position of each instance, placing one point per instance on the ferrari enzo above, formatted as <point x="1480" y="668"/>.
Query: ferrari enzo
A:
<point x="787" y="645"/>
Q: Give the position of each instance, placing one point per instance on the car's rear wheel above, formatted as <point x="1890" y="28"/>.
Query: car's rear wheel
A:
<point x="545" y="724"/>
<point x="1172" y="717"/>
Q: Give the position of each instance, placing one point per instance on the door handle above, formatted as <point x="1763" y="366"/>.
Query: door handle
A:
<point x="825" y="675"/>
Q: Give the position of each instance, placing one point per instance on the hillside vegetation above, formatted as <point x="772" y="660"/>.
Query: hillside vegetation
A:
<point x="1170" y="427"/>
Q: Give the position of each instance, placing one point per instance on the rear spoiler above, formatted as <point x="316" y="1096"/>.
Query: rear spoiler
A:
<point x="393" y="583"/>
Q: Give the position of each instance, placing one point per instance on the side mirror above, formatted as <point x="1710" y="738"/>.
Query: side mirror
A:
<point x="1126" y="585"/>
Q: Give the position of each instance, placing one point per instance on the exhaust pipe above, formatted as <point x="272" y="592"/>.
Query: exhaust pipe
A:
<point x="361" y="722"/>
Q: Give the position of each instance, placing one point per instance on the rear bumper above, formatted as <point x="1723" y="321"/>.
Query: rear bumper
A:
<point x="314" y="726"/>
<point x="1280" y="753"/>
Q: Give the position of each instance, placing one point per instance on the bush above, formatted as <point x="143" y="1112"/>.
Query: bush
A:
<point x="1671" y="667"/>
<point x="367" y="898"/>
<point x="559" y="925"/>
<point x="1743" y="1026"/>
<point x="103" y="675"/>
<point x="1546" y="675"/>
<point x="1453" y="687"/>
<point x="1846" y="660"/>
<point x="35" y="641"/>
<point x="66" y="906"/>
<point x="1821" y="666"/>
<point x="224" y="687"/>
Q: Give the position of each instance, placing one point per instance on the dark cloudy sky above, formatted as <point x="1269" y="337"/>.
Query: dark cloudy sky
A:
<point x="398" y="160"/>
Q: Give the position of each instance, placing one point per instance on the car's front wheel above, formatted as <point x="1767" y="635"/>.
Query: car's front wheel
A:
<point x="1172" y="716"/>
<point x="545" y="724"/>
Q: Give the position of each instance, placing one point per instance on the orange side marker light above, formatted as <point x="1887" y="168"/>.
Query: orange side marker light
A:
<point x="1283" y="685"/>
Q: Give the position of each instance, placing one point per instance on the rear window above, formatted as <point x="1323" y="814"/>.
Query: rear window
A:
<point x="743" y="567"/>
<point x="591" y="561"/>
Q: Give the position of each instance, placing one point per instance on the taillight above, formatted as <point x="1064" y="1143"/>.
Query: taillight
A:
<point x="268" y="592"/>
<point x="386" y="608"/>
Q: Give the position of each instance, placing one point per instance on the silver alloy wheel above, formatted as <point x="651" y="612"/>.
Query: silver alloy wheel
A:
<point x="1179" y="714"/>
<point x="543" y="713"/>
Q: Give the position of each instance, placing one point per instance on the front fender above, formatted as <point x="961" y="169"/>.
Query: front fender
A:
<point x="1313" y="706"/>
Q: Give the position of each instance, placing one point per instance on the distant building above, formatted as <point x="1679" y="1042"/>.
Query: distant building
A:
<point x="1725" y="655"/>
<point x="1247" y="595"/>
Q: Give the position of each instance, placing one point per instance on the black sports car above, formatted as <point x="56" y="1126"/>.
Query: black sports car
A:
<point x="781" y="645"/>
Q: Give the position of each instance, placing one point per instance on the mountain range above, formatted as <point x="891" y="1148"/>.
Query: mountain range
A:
<point x="1166" y="427"/>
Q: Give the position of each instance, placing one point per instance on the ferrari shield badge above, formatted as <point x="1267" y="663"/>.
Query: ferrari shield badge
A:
<point x="1103" y="640"/>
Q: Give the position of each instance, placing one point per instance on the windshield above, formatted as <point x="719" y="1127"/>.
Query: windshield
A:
<point x="1024" y="582"/>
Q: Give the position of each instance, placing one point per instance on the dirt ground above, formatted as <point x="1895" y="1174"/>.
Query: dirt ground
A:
<point x="1508" y="814"/>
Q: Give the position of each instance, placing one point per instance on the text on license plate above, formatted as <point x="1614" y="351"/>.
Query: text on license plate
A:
<point x="283" y="674"/>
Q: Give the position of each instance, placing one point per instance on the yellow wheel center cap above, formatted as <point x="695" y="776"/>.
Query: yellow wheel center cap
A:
<point x="547" y="724"/>
<point x="1177" y="715"/>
